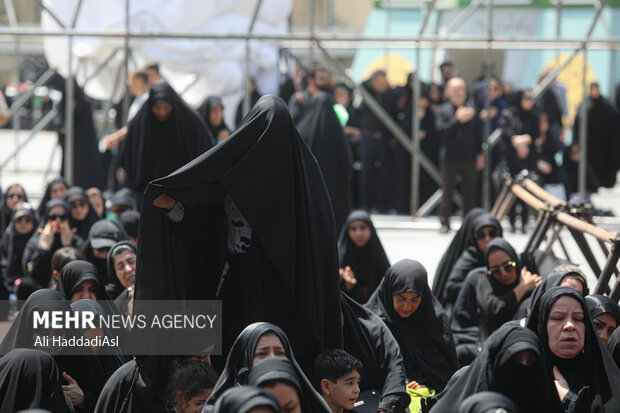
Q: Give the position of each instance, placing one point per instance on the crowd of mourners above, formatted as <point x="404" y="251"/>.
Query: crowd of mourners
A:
<point x="272" y="217"/>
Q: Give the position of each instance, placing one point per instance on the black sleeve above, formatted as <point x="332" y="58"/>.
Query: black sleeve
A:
<point x="446" y="122"/>
<point x="36" y="261"/>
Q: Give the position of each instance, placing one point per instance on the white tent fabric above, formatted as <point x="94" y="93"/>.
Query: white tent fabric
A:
<point x="196" y="67"/>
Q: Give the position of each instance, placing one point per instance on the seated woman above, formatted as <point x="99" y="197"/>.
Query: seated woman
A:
<point x="15" y="194"/>
<point x="489" y="298"/>
<point x="485" y="228"/>
<point x="246" y="399"/>
<point x="190" y="385"/>
<point x="20" y="229"/>
<point x="83" y="215"/>
<point x="605" y="315"/>
<point x="122" y="272"/>
<point x="288" y="384"/>
<point x="54" y="233"/>
<point x="561" y="276"/>
<point x="56" y="188"/>
<point x="361" y="257"/>
<point x="586" y="377"/>
<point x="30" y="379"/>
<point x="419" y="324"/>
<point x="511" y="362"/>
<point x="95" y="197"/>
<point x="488" y="401"/>
<point x="384" y="369"/>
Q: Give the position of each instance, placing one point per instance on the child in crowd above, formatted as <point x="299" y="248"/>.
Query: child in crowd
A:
<point x="338" y="375"/>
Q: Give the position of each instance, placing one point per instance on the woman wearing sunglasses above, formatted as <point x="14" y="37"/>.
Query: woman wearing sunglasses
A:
<point x="490" y="296"/>
<point x="14" y="194"/>
<point x="54" y="233"/>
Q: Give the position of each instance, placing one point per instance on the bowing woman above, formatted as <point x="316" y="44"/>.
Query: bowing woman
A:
<point x="246" y="399"/>
<point x="489" y="298"/>
<point x="361" y="257"/>
<point x="605" y="315"/>
<point x="249" y="223"/>
<point x="405" y="303"/>
<point x="586" y="377"/>
<point x="164" y="135"/>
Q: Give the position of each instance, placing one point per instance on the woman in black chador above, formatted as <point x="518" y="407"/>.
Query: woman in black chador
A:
<point x="250" y="223"/>
<point x="325" y="137"/>
<point x="164" y="135"/>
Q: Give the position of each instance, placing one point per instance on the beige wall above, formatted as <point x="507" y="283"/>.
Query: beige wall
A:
<point x="344" y="14"/>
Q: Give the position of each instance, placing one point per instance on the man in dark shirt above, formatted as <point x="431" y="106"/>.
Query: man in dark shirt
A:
<point x="318" y="79"/>
<point x="461" y="148"/>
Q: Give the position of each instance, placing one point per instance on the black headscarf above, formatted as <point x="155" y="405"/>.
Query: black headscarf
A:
<point x="325" y="137"/>
<point x="599" y="304"/>
<point x="5" y="212"/>
<point x="243" y="399"/>
<point x="488" y="402"/>
<point x="368" y="263"/>
<point x="531" y="388"/>
<point x="276" y="368"/>
<point x="205" y="109"/>
<point x="368" y="339"/>
<point x="292" y="272"/>
<point x="471" y="257"/>
<point x="30" y="379"/>
<point x="13" y="243"/>
<point x="47" y="196"/>
<point x="77" y="193"/>
<point x="241" y="357"/>
<point x="518" y="121"/>
<point x="153" y="149"/>
<point x="614" y="346"/>
<point x="424" y="338"/>
<point x="592" y="376"/>
<point x="552" y="280"/>
<point x="497" y="303"/>
<point x="462" y="240"/>
<point x="130" y="221"/>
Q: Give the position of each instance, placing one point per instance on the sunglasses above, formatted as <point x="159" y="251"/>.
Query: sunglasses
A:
<point x="506" y="267"/>
<point x="54" y="217"/>
<point x="493" y="233"/>
<point x="18" y="196"/>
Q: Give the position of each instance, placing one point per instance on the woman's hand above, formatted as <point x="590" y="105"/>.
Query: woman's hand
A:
<point x="66" y="233"/>
<point x="73" y="391"/>
<point x="47" y="237"/>
<point x="349" y="278"/>
<point x="164" y="202"/>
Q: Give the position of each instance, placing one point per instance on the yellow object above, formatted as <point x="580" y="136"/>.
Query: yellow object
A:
<point x="395" y="65"/>
<point x="416" y="395"/>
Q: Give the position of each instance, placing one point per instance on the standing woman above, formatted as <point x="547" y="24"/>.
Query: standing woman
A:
<point x="361" y="257"/>
<point x="417" y="320"/>
<point x="14" y="195"/>
<point x="586" y="377"/>
<point x="212" y="111"/>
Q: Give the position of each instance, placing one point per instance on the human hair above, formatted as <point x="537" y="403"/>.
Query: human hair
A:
<point x="152" y="66"/>
<point x="190" y="377"/>
<point x="143" y="75"/>
<point x="64" y="256"/>
<point x="335" y="364"/>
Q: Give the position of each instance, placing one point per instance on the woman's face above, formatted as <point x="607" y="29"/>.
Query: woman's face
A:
<point x="86" y="290"/>
<point x="485" y="235"/>
<point x="499" y="264"/>
<point x="24" y="225"/>
<point x="58" y="191"/>
<point x="196" y="403"/>
<point x="79" y="210"/>
<point x="14" y="195"/>
<point x="216" y="115"/>
<point x="57" y="217"/>
<point x="269" y="345"/>
<point x="162" y="111"/>
<point x="605" y="324"/>
<point x="566" y="328"/>
<point x="359" y="232"/>
<point x="405" y="304"/>
<point x="527" y="102"/>
<point x="287" y="397"/>
<point x="96" y="201"/>
<point x="125" y="267"/>
<point x="572" y="282"/>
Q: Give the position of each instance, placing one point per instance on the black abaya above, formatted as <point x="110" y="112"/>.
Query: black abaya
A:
<point x="243" y="399"/>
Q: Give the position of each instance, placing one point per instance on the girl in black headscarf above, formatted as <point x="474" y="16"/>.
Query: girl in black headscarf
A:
<point x="561" y="276"/>
<point x="212" y="112"/>
<point x="325" y="137"/>
<point x="586" y="377"/>
<point x="54" y="233"/>
<point x="13" y="195"/>
<point x="490" y="297"/>
<point x="485" y="228"/>
<point x="488" y="402"/>
<point x="512" y="363"/>
<point x="21" y="227"/>
<point x="294" y="391"/>
<point x="605" y="315"/>
<point x="368" y="339"/>
<point x="361" y="256"/>
<point x="419" y="324"/>
<point x="461" y="241"/>
<point x="83" y="215"/>
<point x="164" y="135"/>
<point x="56" y="188"/>
<point x="30" y="379"/>
<point x="244" y="399"/>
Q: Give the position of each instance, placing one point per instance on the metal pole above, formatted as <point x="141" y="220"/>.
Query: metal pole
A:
<point x="415" y="136"/>
<point x="125" y="113"/>
<point x="311" y="30"/>
<point x="583" y="131"/>
<point x="247" y="99"/>
<point x="610" y="266"/>
<point x="486" y="174"/>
